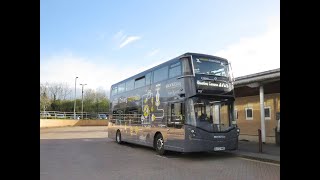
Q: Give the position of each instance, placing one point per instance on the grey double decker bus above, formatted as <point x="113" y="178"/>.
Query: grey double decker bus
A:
<point x="185" y="104"/>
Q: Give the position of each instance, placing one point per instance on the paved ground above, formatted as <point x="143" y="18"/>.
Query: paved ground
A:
<point x="83" y="153"/>
<point x="270" y="152"/>
<point x="271" y="149"/>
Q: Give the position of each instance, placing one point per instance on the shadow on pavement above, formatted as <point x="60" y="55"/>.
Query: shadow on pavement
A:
<point x="191" y="155"/>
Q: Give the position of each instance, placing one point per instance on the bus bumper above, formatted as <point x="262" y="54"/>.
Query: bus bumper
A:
<point x="202" y="145"/>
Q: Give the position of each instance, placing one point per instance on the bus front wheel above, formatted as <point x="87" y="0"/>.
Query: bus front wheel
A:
<point x="118" y="137"/>
<point x="160" y="145"/>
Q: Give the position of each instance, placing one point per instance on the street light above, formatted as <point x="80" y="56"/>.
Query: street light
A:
<point x="75" y="98"/>
<point x="82" y="98"/>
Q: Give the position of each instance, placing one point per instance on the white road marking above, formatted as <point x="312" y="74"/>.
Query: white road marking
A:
<point x="275" y="164"/>
<point x="162" y="156"/>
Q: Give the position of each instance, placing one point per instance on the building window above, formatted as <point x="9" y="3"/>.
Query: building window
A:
<point x="236" y="114"/>
<point x="249" y="113"/>
<point x="267" y="113"/>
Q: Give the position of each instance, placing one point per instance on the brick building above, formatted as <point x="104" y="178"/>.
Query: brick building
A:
<point x="250" y="91"/>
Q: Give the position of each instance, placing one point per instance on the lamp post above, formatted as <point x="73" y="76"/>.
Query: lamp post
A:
<point x="82" y="98"/>
<point x="75" y="98"/>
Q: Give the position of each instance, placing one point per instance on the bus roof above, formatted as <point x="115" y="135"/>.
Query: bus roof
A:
<point x="166" y="63"/>
<point x="199" y="54"/>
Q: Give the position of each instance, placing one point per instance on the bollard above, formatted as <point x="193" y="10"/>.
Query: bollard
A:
<point x="260" y="141"/>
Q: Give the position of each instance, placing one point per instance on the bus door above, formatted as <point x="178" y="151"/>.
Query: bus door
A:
<point x="175" y="128"/>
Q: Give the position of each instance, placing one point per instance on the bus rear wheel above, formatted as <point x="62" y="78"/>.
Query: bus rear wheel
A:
<point x="159" y="145"/>
<point x="118" y="137"/>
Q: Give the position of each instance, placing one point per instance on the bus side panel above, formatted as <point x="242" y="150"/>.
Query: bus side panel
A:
<point x="175" y="139"/>
<point x="113" y="128"/>
<point x="146" y="135"/>
<point x="111" y="131"/>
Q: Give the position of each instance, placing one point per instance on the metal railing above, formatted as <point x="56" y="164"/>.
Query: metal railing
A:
<point x="136" y="119"/>
<point x="70" y="115"/>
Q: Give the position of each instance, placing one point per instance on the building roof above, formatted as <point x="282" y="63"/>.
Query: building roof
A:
<point x="265" y="76"/>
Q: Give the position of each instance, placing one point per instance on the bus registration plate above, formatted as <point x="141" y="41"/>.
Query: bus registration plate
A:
<point x="219" y="148"/>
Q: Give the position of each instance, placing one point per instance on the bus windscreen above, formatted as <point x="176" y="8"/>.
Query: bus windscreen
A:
<point x="210" y="67"/>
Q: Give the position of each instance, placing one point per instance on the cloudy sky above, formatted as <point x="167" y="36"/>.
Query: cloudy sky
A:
<point x="105" y="41"/>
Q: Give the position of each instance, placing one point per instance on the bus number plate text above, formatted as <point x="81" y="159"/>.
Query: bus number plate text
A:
<point x="219" y="148"/>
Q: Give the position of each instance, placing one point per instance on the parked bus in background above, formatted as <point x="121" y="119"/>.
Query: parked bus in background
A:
<point x="185" y="104"/>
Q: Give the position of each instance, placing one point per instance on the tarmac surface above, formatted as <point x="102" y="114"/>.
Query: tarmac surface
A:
<point x="83" y="153"/>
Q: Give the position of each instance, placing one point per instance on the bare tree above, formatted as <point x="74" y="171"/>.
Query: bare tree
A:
<point x="100" y="94"/>
<point x="54" y="96"/>
<point x="44" y="99"/>
<point x="102" y="102"/>
<point x="66" y="90"/>
<point x="55" y="90"/>
<point x="89" y="95"/>
<point x="42" y="89"/>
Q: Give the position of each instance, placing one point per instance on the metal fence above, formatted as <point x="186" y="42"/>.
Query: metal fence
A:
<point x="70" y="115"/>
